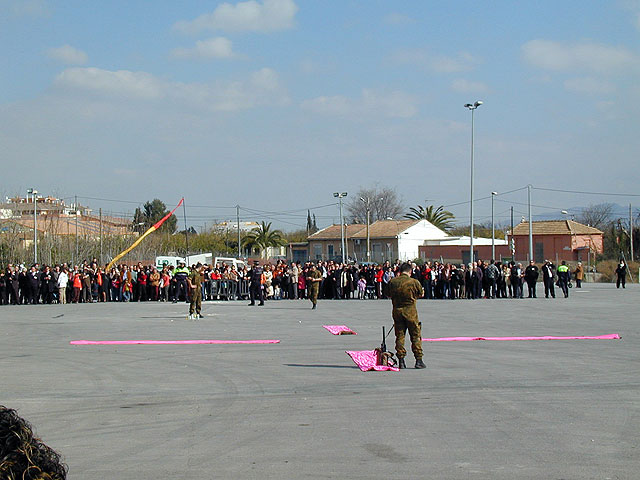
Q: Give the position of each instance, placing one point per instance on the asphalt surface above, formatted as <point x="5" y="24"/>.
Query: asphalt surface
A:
<point x="557" y="409"/>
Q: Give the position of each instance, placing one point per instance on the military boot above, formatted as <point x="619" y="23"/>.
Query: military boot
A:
<point x="401" y="363"/>
<point x="420" y="363"/>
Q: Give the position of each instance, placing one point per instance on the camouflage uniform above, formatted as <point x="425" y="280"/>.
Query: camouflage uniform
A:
<point x="196" y="280"/>
<point x="314" y="287"/>
<point x="404" y="291"/>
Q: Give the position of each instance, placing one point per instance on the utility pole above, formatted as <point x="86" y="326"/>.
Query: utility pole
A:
<point x="238" y="225"/>
<point x="340" y="196"/>
<point x="75" y="206"/>
<point x="186" y="233"/>
<point x="513" y="242"/>
<point x="631" y="229"/>
<point x="34" y="192"/>
<point x="530" y="224"/>
<point x="101" y="260"/>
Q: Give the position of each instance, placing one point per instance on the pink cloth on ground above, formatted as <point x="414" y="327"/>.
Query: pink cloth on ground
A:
<point x="366" y="360"/>
<point x="168" y="342"/>
<point x="612" y="336"/>
<point x="339" y="329"/>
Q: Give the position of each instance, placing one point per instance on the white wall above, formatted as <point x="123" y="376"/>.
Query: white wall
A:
<point x="416" y="235"/>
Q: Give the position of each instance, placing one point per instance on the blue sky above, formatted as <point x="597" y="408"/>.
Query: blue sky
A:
<point x="276" y="104"/>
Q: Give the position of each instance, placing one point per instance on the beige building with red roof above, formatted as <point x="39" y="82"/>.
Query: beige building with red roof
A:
<point x="557" y="240"/>
<point x="389" y="240"/>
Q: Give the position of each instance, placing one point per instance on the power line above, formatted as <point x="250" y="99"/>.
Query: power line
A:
<point x="588" y="193"/>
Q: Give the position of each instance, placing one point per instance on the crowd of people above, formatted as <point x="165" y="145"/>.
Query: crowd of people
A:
<point x="89" y="282"/>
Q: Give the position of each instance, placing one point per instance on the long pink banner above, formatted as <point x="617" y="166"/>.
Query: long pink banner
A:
<point x="167" y="342"/>
<point x="612" y="336"/>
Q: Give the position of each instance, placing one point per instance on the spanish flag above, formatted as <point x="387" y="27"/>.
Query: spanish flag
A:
<point x="155" y="227"/>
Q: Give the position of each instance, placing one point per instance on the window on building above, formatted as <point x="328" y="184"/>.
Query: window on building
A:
<point x="317" y="251"/>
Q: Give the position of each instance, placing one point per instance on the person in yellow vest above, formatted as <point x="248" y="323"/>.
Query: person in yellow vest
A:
<point x="564" y="277"/>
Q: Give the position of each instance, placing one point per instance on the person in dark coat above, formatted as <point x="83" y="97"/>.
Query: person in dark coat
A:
<point x="621" y="272"/>
<point x="548" y="271"/>
<point x="34" y="285"/>
<point x="531" y="277"/>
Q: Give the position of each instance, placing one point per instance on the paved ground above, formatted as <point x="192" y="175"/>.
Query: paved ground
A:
<point x="301" y="409"/>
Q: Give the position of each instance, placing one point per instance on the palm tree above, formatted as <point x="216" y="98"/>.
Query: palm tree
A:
<point x="262" y="237"/>
<point x="439" y="217"/>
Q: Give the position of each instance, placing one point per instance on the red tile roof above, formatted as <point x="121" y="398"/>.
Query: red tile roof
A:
<point x="555" y="227"/>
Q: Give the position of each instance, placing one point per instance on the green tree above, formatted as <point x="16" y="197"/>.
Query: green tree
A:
<point x="151" y="213"/>
<point x="262" y="237"/>
<point x="439" y="217"/>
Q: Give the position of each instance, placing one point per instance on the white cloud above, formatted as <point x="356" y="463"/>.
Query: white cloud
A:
<point x="466" y="86"/>
<point x="29" y="8"/>
<point x="398" y="19"/>
<point x="262" y="88"/>
<point x="461" y="62"/>
<point x="218" y="47"/>
<point x="371" y="103"/>
<point x="68" y="55"/>
<point x="586" y="56"/>
<point x="268" y="16"/>
<point x="588" y="85"/>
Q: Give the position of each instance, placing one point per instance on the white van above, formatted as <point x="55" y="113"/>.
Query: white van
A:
<point x="203" y="258"/>
<point x="219" y="261"/>
<point x="162" y="261"/>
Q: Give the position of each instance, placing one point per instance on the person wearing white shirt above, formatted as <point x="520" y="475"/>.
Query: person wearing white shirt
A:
<point x="63" y="280"/>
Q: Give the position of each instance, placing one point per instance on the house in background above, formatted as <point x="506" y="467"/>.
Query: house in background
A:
<point x="557" y="240"/>
<point x="389" y="240"/>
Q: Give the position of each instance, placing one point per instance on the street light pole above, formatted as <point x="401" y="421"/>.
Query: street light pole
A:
<point x="367" y="202"/>
<point x="493" y="229"/>
<point x="340" y="196"/>
<point x="530" y="224"/>
<point x="472" y="108"/>
<point x="34" y="192"/>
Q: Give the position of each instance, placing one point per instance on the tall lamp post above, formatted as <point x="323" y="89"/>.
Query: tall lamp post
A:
<point x="366" y="203"/>
<point x="340" y="196"/>
<point x="34" y="192"/>
<point x="472" y="108"/>
<point x="493" y="228"/>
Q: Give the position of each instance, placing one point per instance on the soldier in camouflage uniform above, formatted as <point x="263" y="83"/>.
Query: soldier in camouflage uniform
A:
<point x="314" y="277"/>
<point x="195" y="280"/>
<point x="404" y="291"/>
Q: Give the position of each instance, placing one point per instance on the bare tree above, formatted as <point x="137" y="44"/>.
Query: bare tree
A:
<point x="383" y="202"/>
<point x="598" y="216"/>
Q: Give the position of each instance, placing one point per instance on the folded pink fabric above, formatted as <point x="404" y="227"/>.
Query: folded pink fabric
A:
<point x="167" y="342"/>
<point x="366" y="360"/>
<point x="612" y="336"/>
<point x="339" y="329"/>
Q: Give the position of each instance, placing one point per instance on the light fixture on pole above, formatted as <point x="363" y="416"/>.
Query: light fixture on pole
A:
<point x="34" y="192"/>
<point x="472" y="108"/>
<point x="340" y="196"/>
<point x="493" y="228"/>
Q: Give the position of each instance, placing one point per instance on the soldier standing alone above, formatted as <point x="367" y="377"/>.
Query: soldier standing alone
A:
<point x="195" y="280"/>
<point x="404" y="291"/>
<point x="314" y="277"/>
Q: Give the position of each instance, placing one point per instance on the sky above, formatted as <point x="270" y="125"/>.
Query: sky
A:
<point x="274" y="105"/>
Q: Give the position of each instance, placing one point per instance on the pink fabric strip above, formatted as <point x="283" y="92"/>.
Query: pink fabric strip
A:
<point x="612" y="336"/>
<point x="366" y="360"/>
<point x="167" y="342"/>
<point x="339" y="329"/>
